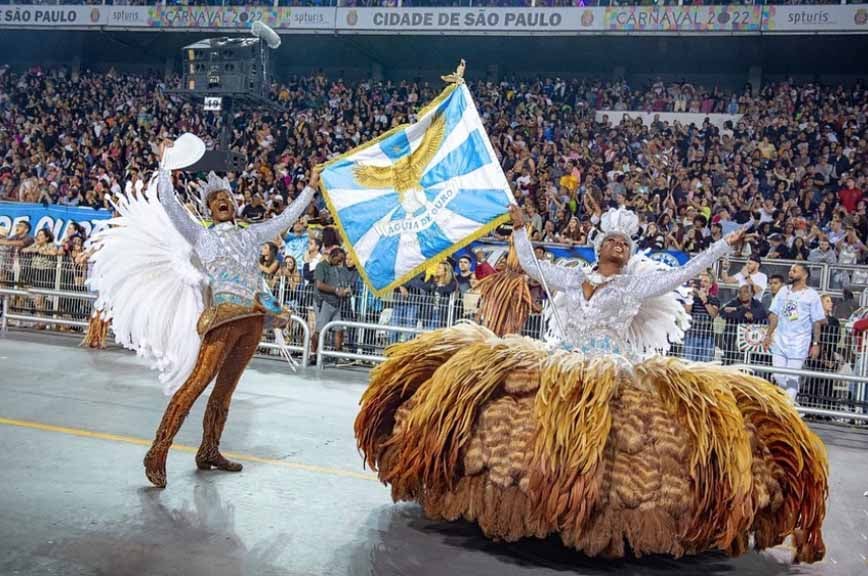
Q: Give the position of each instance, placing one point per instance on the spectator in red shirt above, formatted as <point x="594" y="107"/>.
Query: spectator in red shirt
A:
<point x="859" y="328"/>
<point x="483" y="268"/>
<point x="850" y="196"/>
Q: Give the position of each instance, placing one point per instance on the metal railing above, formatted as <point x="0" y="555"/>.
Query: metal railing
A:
<point x="857" y="402"/>
<point x="371" y="324"/>
<point x="48" y="320"/>
<point x="41" y="317"/>
<point x="303" y="347"/>
<point x="334" y="325"/>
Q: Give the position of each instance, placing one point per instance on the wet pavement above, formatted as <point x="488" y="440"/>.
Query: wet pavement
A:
<point x="75" y="424"/>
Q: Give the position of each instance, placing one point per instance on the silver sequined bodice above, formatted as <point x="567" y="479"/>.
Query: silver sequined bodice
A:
<point x="603" y="323"/>
<point x="229" y="256"/>
<point x="228" y="253"/>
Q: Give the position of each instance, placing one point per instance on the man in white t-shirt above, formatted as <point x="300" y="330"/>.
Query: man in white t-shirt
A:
<point x="795" y="320"/>
<point x="750" y="274"/>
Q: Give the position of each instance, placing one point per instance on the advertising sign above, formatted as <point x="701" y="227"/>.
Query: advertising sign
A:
<point x="126" y="16"/>
<point x="816" y="18"/>
<point x="58" y="17"/>
<point x="521" y="21"/>
<point x="469" y="20"/>
<point x="216" y="17"/>
<point x="687" y="19"/>
<point x="55" y="218"/>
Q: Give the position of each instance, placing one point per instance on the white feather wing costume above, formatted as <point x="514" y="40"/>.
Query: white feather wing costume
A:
<point x="662" y="320"/>
<point x="148" y="286"/>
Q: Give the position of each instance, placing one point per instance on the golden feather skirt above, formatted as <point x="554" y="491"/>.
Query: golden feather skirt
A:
<point x="658" y="457"/>
<point x="97" y="332"/>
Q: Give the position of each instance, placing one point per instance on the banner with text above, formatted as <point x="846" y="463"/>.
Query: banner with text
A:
<point x="666" y="20"/>
<point x="215" y="17"/>
<point x="815" y="18"/>
<point x="469" y="20"/>
<point x="58" y="17"/>
<point x="685" y="19"/>
<point x="127" y="17"/>
<point x="55" y="218"/>
<point x="239" y="17"/>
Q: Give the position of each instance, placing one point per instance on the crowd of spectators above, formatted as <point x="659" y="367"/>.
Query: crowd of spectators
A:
<point x="794" y="163"/>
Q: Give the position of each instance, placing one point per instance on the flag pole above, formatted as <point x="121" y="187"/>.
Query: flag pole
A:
<point x="545" y="286"/>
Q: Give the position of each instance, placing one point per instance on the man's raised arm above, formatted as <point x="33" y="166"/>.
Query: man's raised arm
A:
<point x="268" y="230"/>
<point x="182" y="221"/>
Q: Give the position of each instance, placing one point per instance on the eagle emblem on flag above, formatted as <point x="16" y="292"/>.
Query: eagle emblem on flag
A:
<point x="418" y="193"/>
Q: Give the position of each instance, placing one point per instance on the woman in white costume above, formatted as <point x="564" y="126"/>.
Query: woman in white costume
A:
<point x="595" y="435"/>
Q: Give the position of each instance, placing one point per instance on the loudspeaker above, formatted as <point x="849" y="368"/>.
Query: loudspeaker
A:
<point x="225" y="66"/>
<point x="219" y="161"/>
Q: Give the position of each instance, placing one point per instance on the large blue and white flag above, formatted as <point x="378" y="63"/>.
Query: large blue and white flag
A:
<point x="417" y="193"/>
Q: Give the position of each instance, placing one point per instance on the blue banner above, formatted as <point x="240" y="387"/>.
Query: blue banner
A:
<point x="493" y="251"/>
<point x="55" y="218"/>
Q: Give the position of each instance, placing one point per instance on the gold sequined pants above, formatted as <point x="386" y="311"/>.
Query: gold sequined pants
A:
<point x="225" y="352"/>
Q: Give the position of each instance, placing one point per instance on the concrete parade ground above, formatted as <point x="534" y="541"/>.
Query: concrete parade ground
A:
<point x="75" y="425"/>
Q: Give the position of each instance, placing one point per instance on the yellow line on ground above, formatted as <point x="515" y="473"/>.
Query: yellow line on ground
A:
<point x="143" y="442"/>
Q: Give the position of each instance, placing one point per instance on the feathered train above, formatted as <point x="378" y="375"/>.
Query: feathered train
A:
<point x="148" y="287"/>
<point x="658" y="457"/>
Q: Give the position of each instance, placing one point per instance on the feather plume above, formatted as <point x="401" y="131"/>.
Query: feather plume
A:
<point x="148" y="286"/>
<point x="661" y="321"/>
<point x="506" y="298"/>
<point x="617" y="221"/>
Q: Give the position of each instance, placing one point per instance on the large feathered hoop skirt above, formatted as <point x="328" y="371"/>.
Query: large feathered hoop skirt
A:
<point x="659" y="457"/>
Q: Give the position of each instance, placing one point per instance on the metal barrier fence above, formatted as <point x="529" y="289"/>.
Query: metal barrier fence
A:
<point x="51" y="292"/>
<point x="339" y="326"/>
<point x="827" y="278"/>
<point x="850" y="399"/>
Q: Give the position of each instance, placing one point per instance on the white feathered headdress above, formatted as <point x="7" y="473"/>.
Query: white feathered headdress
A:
<point x="214" y="184"/>
<point x="617" y="221"/>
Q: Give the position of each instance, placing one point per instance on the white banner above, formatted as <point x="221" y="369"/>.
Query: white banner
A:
<point x="218" y="18"/>
<point x="816" y="18"/>
<point x="496" y="21"/>
<point x="684" y="19"/>
<point x="127" y="16"/>
<point x="470" y="20"/>
<point x="685" y="118"/>
<point x="60" y="17"/>
<point x="311" y="18"/>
